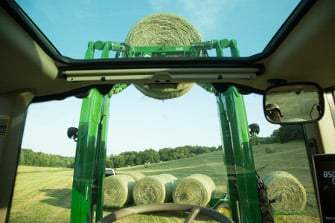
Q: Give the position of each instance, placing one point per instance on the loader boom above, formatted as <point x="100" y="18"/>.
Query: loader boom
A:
<point x="87" y="195"/>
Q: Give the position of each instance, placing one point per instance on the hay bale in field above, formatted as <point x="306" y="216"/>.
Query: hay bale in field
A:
<point x="163" y="29"/>
<point x="195" y="189"/>
<point x="288" y="192"/>
<point x="270" y="149"/>
<point x="135" y="175"/>
<point x="154" y="189"/>
<point x="118" y="190"/>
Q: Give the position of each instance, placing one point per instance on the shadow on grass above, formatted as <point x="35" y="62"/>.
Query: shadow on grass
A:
<point x="58" y="197"/>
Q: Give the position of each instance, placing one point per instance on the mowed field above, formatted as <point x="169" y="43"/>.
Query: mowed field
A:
<point x="44" y="194"/>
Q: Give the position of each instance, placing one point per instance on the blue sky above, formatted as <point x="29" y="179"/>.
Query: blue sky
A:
<point x="136" y="121"/>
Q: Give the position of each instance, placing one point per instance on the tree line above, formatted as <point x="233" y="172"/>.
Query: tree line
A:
<point x="28" y="157"/>
<point x="148" y="156"/>
<point x="283" y="134"/>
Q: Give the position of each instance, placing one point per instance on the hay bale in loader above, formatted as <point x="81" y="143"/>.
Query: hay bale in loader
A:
<point x="118" y="191"/>
<point x="286" y="190"/>
<point x="195" y="189"/>
<point x="154" y="189"/>
<point x="163" y="29"/>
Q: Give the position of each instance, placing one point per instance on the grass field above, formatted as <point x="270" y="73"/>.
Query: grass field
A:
<point x="44" y="194"/>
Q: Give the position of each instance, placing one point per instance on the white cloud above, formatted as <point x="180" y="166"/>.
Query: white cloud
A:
<point x="206" y="15"/>
<point x="161" y="5"/>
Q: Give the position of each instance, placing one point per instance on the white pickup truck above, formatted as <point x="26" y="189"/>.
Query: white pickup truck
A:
<point x="109" y="172"/>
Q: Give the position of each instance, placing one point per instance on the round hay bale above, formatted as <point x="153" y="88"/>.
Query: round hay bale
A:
<point x="118" y="190"/>
<point x="166" y="92"/>
<point x="288" y="192"/>
<point x="195" y="189"/>
<point x="163" y="29"/>
<point x="154" y="189"/>
<point x="270" y="149"/>
<point x="135" y="175"/>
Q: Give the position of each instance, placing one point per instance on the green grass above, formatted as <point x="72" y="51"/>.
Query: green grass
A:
<point x="290" y="157"/>
<point x="44" y="194"/>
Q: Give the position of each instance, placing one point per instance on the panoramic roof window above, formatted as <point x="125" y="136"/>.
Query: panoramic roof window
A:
<point x="197" y="28"/>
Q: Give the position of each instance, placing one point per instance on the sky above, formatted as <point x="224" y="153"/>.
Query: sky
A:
<point x="138" y="122"/>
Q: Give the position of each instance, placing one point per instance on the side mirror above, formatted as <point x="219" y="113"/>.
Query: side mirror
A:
<point x="293" y="103"/>
<point x="72" y="133"/>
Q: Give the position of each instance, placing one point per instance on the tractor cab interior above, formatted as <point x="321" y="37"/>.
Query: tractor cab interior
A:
<point x="167" y="111"/>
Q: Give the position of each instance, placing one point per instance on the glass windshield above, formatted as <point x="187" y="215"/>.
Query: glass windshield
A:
<point x="174" y="142"/>
<point x="159" y="23"/>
